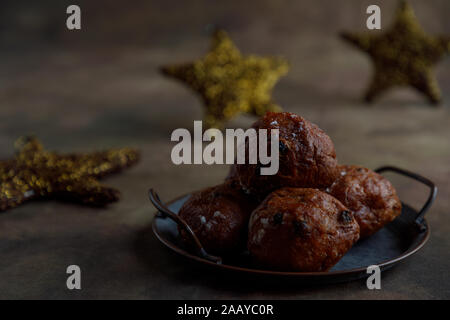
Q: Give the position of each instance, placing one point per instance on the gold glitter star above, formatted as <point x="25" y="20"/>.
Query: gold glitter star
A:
<point x="230" y="83"/>
<point x="35" y="173"/>
<point x="403" y="56"/>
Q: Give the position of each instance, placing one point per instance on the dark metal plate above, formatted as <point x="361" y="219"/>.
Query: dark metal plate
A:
<point x="389" y="246"/>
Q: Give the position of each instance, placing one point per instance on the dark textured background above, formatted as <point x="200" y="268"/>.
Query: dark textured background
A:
<point x="99" y="88"/>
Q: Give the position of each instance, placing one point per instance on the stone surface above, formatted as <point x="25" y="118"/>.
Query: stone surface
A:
<point x="88" y="96"/>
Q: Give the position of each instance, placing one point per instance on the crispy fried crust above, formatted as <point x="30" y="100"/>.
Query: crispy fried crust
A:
<point x="301" y="229"/>
<point x="307" y="157"/>
<point x="369" y="195"/>
<point x="219" y="217"/>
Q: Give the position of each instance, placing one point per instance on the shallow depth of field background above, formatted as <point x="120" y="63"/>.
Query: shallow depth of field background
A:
<point x="100" y="87"/>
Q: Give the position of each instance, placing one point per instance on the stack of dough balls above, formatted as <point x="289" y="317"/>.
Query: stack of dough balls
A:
<point x="303" y="218"/>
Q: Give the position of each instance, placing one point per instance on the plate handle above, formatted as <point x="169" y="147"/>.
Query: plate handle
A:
<point x="165" y="212"/>
<point x="427" y="182"/>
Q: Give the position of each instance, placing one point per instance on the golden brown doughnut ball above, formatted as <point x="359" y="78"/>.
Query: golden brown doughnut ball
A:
<point x="307" y="158"/>
<point x="370" y="196"/>
<point x="219" y="217"/>
<point x="300" y="229"/>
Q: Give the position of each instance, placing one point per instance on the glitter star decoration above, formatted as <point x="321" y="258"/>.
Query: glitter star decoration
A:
<point x="35" y="173"/>
<point x="230" y="83"/>
<point x="404" y="55"/>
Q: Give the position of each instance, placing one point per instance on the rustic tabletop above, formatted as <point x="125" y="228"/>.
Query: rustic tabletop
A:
<point x="90" y="96"/>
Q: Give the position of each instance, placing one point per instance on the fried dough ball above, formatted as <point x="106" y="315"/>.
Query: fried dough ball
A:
<point x="307" y="158"/>
<point x="300" y="229"/>
<point x="219" y="217"/>
<point x="370" y="196"/>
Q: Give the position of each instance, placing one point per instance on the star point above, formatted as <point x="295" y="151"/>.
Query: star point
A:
<point x="36" y="173"/>
<point x="404" y="55"/>
<point x="230" y="83"/>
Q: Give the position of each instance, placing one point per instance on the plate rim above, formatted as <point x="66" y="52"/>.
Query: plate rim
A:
<point x="383" y="265"/>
